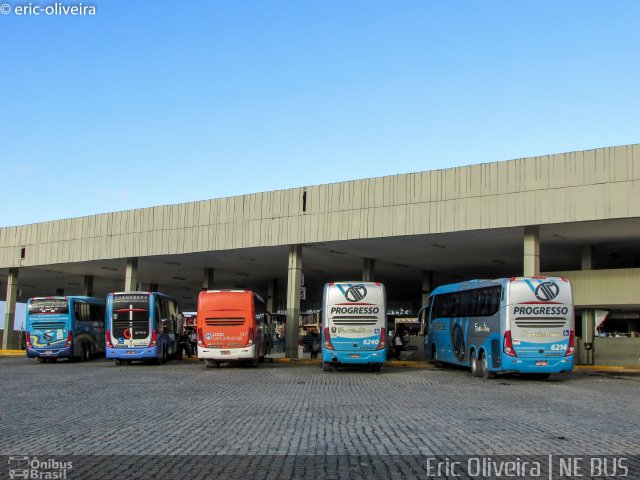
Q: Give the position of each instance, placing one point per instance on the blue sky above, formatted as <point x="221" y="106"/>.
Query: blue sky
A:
<point x="151" y="103"/>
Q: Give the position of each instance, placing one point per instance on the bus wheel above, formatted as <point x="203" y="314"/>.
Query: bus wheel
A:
<point x="327" y="367"/>
<point x="484" y="366"/>
<point x="475" y="369"/>
<point x="86" y="352"/>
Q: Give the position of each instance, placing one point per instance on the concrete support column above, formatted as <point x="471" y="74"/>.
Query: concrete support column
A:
<point x="294" y="280"/>
<point x="368" y="269"/>
<point x="131" y="275"/>
<point x="87" y="289"/>
<point x="586" y="261"/>
<point x="207" y="279"/>
<point x="9" y="338"/>
<point x="531" y="251"/>
<point x="427" y="280"/>
<point x="272" y="291"/>
<point x="589" y="315"/>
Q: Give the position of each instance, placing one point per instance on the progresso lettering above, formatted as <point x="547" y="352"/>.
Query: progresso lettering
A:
<point x="354" y="310"/>
<point x="541" y="310"/>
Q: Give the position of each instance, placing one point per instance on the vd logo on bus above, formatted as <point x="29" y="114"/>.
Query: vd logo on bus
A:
<point x="354" y="293"/>
<point x="547" y="291"/>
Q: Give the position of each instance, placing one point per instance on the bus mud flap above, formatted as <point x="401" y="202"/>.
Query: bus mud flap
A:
<point x="495" y="353"/>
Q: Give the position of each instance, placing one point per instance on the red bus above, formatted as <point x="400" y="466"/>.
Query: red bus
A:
<point x="232" y="327"/>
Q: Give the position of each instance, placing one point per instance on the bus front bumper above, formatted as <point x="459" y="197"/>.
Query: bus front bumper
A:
<point x="537" y="365"/>
<point x="353" y="357"/>
<point x="50" y="352"/>
<point x="132" y="353"/>
<point x="227" y="354"/>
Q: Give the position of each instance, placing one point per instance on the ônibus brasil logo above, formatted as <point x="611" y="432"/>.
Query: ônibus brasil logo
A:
<point x="547" y="291"/>
<point x="354" y="293"/>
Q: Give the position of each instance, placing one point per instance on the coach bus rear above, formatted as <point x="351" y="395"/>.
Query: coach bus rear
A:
<point x="232" y="327"/>
<point x="64" y="327"/>
<point x="539" y="326"/>
<point x="141" y="326"/>
<point x="354" y="324"/>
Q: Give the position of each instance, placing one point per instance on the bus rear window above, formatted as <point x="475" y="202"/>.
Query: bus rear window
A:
<point x="48" y="306"/>
<point x="131" y="307"/>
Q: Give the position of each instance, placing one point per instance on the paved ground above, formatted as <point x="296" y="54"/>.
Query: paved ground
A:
<point x="182" y="408"/>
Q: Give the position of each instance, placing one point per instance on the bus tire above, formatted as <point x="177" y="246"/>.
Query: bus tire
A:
<point x="327" y="367"/>
<point x="86" y="352"/>
<point x="473" y="363"/>
<point x="484" y="366"/>
<point x="434" y="356"/>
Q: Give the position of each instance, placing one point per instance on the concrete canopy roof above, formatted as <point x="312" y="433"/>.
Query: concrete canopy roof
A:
<point x="399" y="262"/>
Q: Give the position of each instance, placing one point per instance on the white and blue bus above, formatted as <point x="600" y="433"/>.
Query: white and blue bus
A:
<point x="509" y="325"/>
<point x="64" y="327"/>
<point x="142" y="326"/>
<point x="354" y="320"/>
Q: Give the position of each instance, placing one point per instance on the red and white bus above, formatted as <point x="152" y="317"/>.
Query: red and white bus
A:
<point x="232" y="327"/>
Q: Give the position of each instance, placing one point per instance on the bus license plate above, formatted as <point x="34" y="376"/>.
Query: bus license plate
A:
<point x="131" y="352"/>
<point x="542" y="363"/>
<point x="48" y="352"/>
<point x="354" y="355"/>
<point x="225" y="352"/>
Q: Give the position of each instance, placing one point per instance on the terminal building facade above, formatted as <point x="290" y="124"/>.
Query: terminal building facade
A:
<point x="575" y="215"/>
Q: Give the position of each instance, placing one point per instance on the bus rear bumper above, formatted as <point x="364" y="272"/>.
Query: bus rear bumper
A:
<point x="227" y="354"/>
<point x="353" y="358"/>
<point x="133" y="353"/>
<point x="50" y="352"/>
<point x="537" y="365"/>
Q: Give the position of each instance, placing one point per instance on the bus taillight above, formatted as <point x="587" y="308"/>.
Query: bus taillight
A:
<point x="200" y="338"/>
<point x="327" y="339"/>
<point x="69" y="340"/>
<point x="383" y="339"/>
<point x="508" y="344"/>
<point x="572" y="344"/>
<point x="29" y="341"/>
<point x="108" y="336"/>
<point x="250" y="339"/>
<point x="154" y="338"/>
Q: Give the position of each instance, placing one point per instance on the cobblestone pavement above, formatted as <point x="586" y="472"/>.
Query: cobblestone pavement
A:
<point x="183" y="408"/>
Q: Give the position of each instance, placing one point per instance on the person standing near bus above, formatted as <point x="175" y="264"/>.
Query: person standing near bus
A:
<point x="398" y="344"/>
<point x="193" y="340"/>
